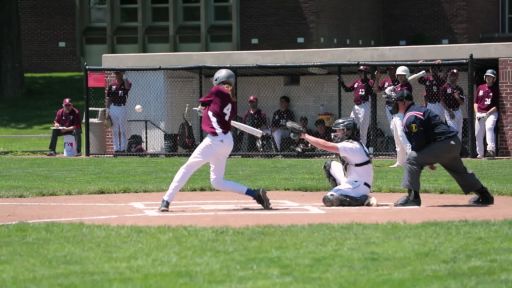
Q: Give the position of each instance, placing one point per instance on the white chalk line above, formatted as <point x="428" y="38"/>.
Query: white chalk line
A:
<point x="72" y="219"/>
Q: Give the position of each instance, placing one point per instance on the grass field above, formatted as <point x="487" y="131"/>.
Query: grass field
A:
<point x="27" y="176"/>
<point x="459" y="254"/>
<point x="452" y="254"/>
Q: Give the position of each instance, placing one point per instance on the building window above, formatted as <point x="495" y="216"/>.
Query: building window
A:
<point x="506" y="16"/>
<point x="191" y="11"/>
<point x="128" y="11"/>
<point x="98" y="11"/>
<point x="159" y="11"/>
<point x="222" y="10"/>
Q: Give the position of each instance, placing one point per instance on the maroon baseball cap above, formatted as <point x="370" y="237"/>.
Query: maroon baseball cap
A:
<point x="66" y="102"/>
<point x="253" y="99"/>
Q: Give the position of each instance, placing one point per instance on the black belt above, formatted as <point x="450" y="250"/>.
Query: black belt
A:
<point x="367" y="185"/>
<point x="118" y="104"/>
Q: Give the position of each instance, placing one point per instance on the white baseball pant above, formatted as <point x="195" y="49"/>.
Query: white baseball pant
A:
<point x="401" y="143"/>
<point x="361" y="114"/>
<point x="118" y="114"/>
<point x="213" y="149"/>
<point x="456" y="122"/>
<point x="346" y="186"/>
<point x="484" y="127"/>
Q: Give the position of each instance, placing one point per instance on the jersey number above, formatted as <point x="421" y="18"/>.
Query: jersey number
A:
<point x="487" y="101"/>
<point x="362" y="91"/>
<point x="227" y="111"/>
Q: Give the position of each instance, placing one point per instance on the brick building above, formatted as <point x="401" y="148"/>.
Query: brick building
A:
<point x="58" y="35"/>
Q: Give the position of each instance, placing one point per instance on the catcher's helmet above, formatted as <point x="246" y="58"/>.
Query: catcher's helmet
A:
<point x="403" y="70"/>
<point x="490" y="72"/>
<point x="348" y="129"/>
<point x="402" y="96"/>
<point x="224" y="76"/>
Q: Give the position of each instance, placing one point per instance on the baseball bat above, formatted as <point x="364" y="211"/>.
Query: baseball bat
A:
<point x="417" y="75"/>
<point x="246" y="128"/>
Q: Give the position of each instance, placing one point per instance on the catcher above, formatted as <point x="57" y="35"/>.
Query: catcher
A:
<point x="351" y="178"/>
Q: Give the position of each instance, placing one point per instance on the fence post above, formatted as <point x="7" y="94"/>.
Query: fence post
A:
<point x="86" y="112"/>
<point x="199" y="96"/>
<point x="339" y="92"/>
<point x="471" y="112"/>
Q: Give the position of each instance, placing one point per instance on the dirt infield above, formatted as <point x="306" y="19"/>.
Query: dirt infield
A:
<point x="228" y="209"/>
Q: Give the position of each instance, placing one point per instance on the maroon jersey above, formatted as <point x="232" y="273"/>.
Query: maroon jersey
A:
<point x="448" y="95"/>
<point x="255" y="119"/>
<point x="387" y="82"/>
<point x="118" y="93"/>
<point x="71" y="119"/>
<point x="486" y="97"/>
<point x="433" y="84"/>
<point x="362" y="90"/>
<point x="406" y="86"/>
<point x="219" y="111"/>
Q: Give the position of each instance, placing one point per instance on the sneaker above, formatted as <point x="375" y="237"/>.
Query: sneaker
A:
<point x="483" y="197"/>
<point x="491" y="155"/>
<point x="262" y="199"/>
<point x="51" y="153"/>
<point x="394" y="165"/>
<point x="164" y="206"/>
<point x="480" y="157"/>
<point x="408" y="201"/>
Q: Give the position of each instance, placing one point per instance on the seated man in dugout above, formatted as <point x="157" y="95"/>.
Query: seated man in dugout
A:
<point x="66" y="122"/>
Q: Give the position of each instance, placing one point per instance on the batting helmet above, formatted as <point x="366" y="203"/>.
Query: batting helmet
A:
<point x="224" y="76"/>
<point x="403" y="70"/>
<point x="348" y="126"/>
<point x="363" y="68"/>
<point x="490" y="72"/>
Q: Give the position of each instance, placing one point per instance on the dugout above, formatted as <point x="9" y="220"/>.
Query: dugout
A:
<point x="165" y="83"/>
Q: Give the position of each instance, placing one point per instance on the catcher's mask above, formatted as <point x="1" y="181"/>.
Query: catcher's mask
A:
<point x="400" y="96"/>
<point x="345" y="128"/>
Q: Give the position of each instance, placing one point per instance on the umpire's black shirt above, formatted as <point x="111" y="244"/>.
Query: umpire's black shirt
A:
<point x="422" y="127"/>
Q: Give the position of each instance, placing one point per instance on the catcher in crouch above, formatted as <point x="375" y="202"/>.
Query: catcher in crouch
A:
<point x="351" y="178"/>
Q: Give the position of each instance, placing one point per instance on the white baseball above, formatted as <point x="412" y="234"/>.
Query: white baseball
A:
<point x="138" y="108"/>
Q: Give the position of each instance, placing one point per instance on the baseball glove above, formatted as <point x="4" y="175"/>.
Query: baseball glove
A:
<point x="295" y="129"/>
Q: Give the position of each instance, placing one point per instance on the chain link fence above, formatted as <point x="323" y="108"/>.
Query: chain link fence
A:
<point x="313" y="94"/>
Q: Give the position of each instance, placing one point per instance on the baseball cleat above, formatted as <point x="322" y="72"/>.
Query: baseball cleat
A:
<point x="164" y="206"/>
<point x="407" y="201"/>
<point x="262" y="199"/>
<point x="483" y="197"/>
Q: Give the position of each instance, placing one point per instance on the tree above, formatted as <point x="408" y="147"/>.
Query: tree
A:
<point x="11" y="68"/>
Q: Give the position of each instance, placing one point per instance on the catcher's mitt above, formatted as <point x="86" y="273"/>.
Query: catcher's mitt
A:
<point x="295" y="129"/>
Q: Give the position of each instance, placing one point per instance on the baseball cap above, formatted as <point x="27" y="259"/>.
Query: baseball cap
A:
<point x="66" y="102"/>
<point x="490" y="72"/>
<point x="253" y="99"/>
<point x="454" y="71"/>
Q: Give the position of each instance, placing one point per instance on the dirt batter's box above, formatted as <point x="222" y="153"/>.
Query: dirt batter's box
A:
<point x="225" y="207"/>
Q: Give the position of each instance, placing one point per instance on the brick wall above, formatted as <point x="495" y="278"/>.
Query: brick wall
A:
<point x="43" y="25"/>
<point x="505" y="107"/>
<point x="428" y="22"/>
<point x="277" y="24"/>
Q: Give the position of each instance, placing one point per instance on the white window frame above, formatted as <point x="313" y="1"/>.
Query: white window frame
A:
<point x="182" y="14"/>
<point x="151" y="6"/>
<point x="97" y="24"/>
<point x="227" y="4"/>
<point x="121" y="6"/>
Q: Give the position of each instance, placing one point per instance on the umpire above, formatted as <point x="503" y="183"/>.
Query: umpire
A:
<point x="432" y="141"/>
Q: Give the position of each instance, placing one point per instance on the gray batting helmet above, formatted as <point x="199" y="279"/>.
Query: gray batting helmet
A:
<point x="349" y="125"/>
<point x="224" y="76"/>
<point x="490" y="72"/>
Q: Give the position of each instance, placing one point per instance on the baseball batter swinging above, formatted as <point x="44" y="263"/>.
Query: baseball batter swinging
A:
<point x="218" y="109"/>
<point x="351" y="178"/>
